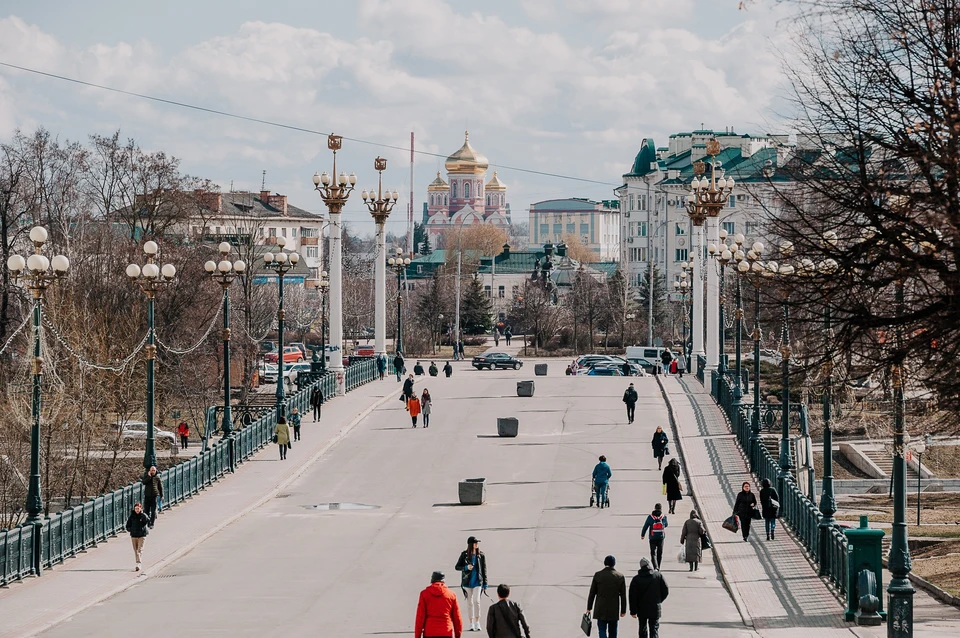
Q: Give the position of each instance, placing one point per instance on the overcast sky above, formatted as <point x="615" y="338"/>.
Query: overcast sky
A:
<point x="560" y="86"/>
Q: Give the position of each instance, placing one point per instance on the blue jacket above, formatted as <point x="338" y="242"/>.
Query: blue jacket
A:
<point x="601" y="473"/>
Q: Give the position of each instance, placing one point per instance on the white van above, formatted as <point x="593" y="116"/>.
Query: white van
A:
<point x="646" y="356"/>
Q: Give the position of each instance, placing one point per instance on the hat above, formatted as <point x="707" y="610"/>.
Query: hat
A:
<point x="609" y="561"/>
<point x="644" y="564"/>
<point x="437" y="577"/>
<point x="631" y="385"/>
<point x="472" y="540"/>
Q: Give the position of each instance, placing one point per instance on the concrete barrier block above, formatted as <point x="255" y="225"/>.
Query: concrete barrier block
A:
<point x="540" y="369"/>
<point x="524" y="388"/>
<point x="472" y="491"/>
<point x="508" y="426"/>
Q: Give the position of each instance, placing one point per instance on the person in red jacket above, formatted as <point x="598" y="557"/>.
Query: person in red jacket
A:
<point x="438" y="614"/>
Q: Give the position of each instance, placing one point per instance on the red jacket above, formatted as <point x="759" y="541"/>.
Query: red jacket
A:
<point x="438" y="613"/>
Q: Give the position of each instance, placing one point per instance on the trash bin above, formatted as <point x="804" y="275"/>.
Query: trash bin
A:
<point x="865" y="554"/>
<point x="540" y="369"/>
<point x="508" y="426"/>
<point x="524" y="388"/>
<point x="472" y="491"/>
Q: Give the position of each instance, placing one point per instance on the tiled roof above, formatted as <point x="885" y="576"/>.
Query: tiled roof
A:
<point x="249" y="204"/>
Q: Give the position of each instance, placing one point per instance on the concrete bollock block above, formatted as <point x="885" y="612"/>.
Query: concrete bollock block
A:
<point x="540" y="369"/>
<point x="524" y="388"/>
<point x="473" y="491"/>
<point x="508" y="426"/>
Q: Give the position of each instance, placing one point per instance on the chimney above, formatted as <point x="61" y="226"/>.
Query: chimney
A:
<point x="211" y="201"/>
<point x="265" y="197"/>
<point x="506" y="250"/>
<point x="279" y="202"/>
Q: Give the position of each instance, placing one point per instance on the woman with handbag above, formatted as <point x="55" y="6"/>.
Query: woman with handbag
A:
<point x="659" y="444"/>
<point x="281" y="436"/>
<point x="671" y="484"/>
<point x="769" y="507"/>
<point x="690" y="536"/>
<point x="745" y="508"/>
<point x="426" y="407"/>
<point x="472" y="566"/>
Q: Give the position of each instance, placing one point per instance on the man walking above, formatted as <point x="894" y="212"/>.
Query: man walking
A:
<point x="656" y="523"/>
<point x="609" y="590"/>
<point x="438" y="614"/>
<point x="398" y="366"/>
<point x="407" y="389"/>
<point x="630" y="398"/>
<point x="505" y="617"/>
<point x="508" y="334"/>
<point x="183" y="430"/>
<point x="316" y="400"/>
<point x="152" y="490"/>
<point x="647" y="590"/>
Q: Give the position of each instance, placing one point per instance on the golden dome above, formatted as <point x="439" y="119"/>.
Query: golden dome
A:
<point x="438" y="184"/>
<point x="467" y="160"/>
<point x="495" y="184"/>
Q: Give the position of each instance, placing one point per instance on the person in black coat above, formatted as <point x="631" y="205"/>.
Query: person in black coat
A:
<point x="448" y="369"/>
<point x="769" y="507"/>
<point x="152" y="492"/>
<point x="398" y="366"/>
<point x="407" y="389"/>
<point x="671" y="479"/>
<point x="630" y="399"/>
<point x="659" y="444"/>
<point x="744" y="507"/>
<point x="418" y="369"/>
<point x="316" y="400"/>
<point x="138" y="525"/>
<point x="648" y="590"/>
<point x="472" y="566"/>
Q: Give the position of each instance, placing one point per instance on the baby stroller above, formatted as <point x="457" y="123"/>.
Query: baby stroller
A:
<point x="596" y="498"/>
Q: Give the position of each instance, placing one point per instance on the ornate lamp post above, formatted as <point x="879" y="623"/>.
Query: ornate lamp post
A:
<point x="334" y="191"/>
<point x="323" y="286"/>
<point x="724" y="254"/>
<point x="756" y="271"/>
<point x="224" y="272"/>
<point x="683" y="286"/>
<point x="281" y="263"/>
<point x="743" y="266"/>
<point x="783" y="272"/>
<point x="151" y="278"/>
<point x="380" y="207"/>
<point x="399" y="265"/>
<point x="37" y="276"/>
<point x="697" y="216"/>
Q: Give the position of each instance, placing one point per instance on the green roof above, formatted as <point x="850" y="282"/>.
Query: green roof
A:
<point x="643" y="160"/>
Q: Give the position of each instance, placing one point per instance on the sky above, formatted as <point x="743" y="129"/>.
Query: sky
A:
<point x="567" y="87"/>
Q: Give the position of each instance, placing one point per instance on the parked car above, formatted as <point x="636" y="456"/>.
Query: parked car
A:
<point x="137" y="430"/>
<point x="291" y="354"/>
<point x="268" y="346"/>
<point x="646" y="366"/>
<point x="588" y="361"/>
<point x="491" y="360"/>
<point x="364" y="351"/>
<point x="604" y="371"/>
<point x="302" y="347"/>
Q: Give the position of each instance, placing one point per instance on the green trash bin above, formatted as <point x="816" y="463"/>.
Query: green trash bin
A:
<point x="864" y="553"/>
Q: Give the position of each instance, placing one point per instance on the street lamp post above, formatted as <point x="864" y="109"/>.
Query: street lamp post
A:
<point x="37" y="276"/>
<point x="724" y="254"/>
<point x="151" y="278"/>
<point x="399" y="265"/>
<point x="323" y="286"/>
<point x="920" y="447"/>
<point x="224" y="272"/>
<point x="380" y="205"/>
<point x="281" y="263"/>
<point x="783" y="272"/>
<point x="683" y="286"/>
<point x="334" y="190"/>
<point x="757" y="270"/>
<point x="697" y="217"/>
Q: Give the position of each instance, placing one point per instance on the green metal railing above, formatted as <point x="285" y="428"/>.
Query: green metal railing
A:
<point x="78" y="528"/>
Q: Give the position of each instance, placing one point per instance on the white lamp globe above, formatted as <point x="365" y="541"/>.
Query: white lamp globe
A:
<point x="726" y="255"/>
<point x="151" y="248"/>
<point x="224" y="266"/>
<point x="37" y="263"/>
<point x="391" y="261"/>
<point x="739" y="238"/>
<point x="316" y="179"/>
<point x="294" y="258"/>
<point x="406" y="262"/>
<point x="60" y="263"/>
<point x="169" y="271"/>
<point x="786" y="270"/>
<point x="38" y="234"/>
<point x="712" y="248"/>
<point x="281" y="258"/>
<point x="743" y="266"/>
<point x="224" y="247"/>
<point x="325" y="178"/>
<point x="151" y="271"/>
<point x="353" y="178"/>
<point x="210" y="266"/>
<point x="773" y="267"/>
<point x="281" y="241"/>
<point x="16" y="263"/>
<point x="239" y="265"/>
<point x="730" y="183"/>
<point x="757" y="247"/>
<point x="323" y="274"/>
<point x="133" y="271"/>
<point x="268" y="258"/>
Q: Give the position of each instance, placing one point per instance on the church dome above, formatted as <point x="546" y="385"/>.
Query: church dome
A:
<point x="495" y="184"/>
<point x="438" y="184"/>
<point x="467" y="160"/>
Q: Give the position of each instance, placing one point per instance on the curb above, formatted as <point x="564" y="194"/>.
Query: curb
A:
<point x="189" y="547"/>
<point x="734" y="595"/>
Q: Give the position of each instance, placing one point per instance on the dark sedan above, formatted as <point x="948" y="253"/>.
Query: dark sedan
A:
<point x="491" y="360"/>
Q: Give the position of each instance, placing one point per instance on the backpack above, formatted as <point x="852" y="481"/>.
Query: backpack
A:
<point x="656" y="530"/>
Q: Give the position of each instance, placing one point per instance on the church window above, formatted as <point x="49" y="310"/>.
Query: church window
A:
<point x="453" y="190"/>
<point x="466" y="190"/>
<point x="444" y="200"/>
<point x="488" y="200"/>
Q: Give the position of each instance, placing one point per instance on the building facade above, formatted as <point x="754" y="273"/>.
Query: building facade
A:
<point x="595" y="224"/>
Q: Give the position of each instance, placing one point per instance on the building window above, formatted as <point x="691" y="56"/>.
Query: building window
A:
<point x="453" y="190"/>
<point x="293" y="233"/>
<point x="312" y="252"/>
<point x="272" y="232"/>
<point x="444" y="200"/>
<point x="638" y="254"/>
<point x="630" y="206"/>
<point x="486" y="289"/>
<point x="730" y="227"/>
<point x="488" y="200"/>
<point x="419" y="269"/>
<point x="680" y="254"/>
<point x="515" y="292"/>
<point x="283" y="231"/>
<point x="681" y="229"/>
<point x="544" y="229"/>
<point x="261" y="231"/>
<point x="466" y="190"/>
<point x="501" y="292"/>
<point x="643" y="202"/>
<point x="557" y="229"/>
<point x="584" y="229"/>
<point x="571" y="229"/>
<point x="751" y="229"/>
<point x="732" y="201"/>
<point x="641" y="229"/>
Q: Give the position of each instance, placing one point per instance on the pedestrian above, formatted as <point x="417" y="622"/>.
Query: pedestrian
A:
<point x="316" y="400"/>
<point x="408" y="389"/>
<point x="281" y="436"/>
<point x="656" y="523"/>
<point x="505" y="617"/>
<point x="426" y="407"/>
<point x="769" y="508"/>
<point x="508" y="334"/>
<point x="744" y="508"/>
<point x="184" y="431"/>
<point x="674" y="367"/>
<point x="681" y="364"/>
<point x="448" y="369"/>
<point x="609" y="590"/>
<point x="413" y="407"/>
<point x="433" y="369"/>
<point x="295" y="421"/>
<point x="138" y="526"/>
<point x="648" y="590"/>
<point x="381" y="365"/>
<point x="671" y="483"/>
<point x="630" y="399"/>
<point x="690" y="535"/>
<point x="152" y="493"/>
<point x="472" y="566"/>
<point x="496" y="337"/>
<point x="625" y="369"/>
<point x="398" y="366"/>
<point x="601" y="480"/>
<point x="665" y="358"/>
<point x="659" y="444"/>
<point x="418" y="369"/>
<point x="460" y="347"/>
<point x="438" y="614"/>
<point x="569" y="371"/>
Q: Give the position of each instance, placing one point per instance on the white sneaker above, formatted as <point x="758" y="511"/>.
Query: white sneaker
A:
<point x="138" y="567"/>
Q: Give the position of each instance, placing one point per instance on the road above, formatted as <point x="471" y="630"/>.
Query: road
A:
<point x="289" y="569"/>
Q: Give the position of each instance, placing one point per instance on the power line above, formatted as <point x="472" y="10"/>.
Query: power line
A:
<point x="289" y="127"/>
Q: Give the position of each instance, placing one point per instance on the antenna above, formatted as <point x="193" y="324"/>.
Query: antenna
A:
<point x="231" y="185"/>
<point x="263" y="181"/>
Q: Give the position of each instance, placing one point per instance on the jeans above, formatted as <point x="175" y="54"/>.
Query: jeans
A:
<point x="653" y="623"/>
<point x="656" y="551"/>
<point x="414" y="418"/>
<point x="183" y="442"/>
<point x="770" y="524"/>
<point x="631" y="410"/>
<point x="601" y="491"/>
<point x="316" y="412"/>
<point x="473" y="602"/>
<point x="150" y="508"/>
<point x="296" y="433"/>
<point x="607" y="628"/>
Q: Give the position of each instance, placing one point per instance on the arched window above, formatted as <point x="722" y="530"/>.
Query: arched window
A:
<point x="466" y="190"/>
<point x="444" y="200"/>
<point x="453" y="190"/>
<point x="488" y="200"/>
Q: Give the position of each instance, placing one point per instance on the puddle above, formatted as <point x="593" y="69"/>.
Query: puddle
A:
<point x="342" y="506"/>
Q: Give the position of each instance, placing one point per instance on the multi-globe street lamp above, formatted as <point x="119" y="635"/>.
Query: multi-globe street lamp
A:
<point x="281" y="263"/>
<point x="683" y="287"/>
<point x="151" y="278"/>
<point x="783" y="273"/>
<point x="380" y="205"/>
<point x="38" y="273"/>
<point x="399" y="265"/>
<point x="323" y="285"/>
<point x="724" y="254"/>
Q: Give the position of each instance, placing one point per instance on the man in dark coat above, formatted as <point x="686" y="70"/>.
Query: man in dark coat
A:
<point x="505" y="617"/>
<point x="630" y="398"/>
<point x="408" y="389"/>
<point x="152" y="491"/>
<point x="418" y="369"/>
<point x="398" y="366"/>
<point x="666" y="357"/>
<point x="647" y="591"/>
<point x="316" y="400"/>
<point x="448" y="369"/>
<point x="625" y="369"/>
<point x="609" y="590"/>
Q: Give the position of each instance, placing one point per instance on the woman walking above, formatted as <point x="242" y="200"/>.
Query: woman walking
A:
<point x="671" y="482"/>
<point x="659" y="444"/>
<point x="472" y="566"/>
<point x="426" y="404"/>
<point x="744" y="507"/>
<point x="281" y="435"/>
<point x="681" y="364"/>
<point x="413" y="407"/>
<point x="295" y="420"/>
<point x="138" y="525"/>
<point x="693" y="529"/>
<point x="769" y="508"/>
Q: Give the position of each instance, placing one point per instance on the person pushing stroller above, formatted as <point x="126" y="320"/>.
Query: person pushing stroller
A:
<point x="600" y="492"/>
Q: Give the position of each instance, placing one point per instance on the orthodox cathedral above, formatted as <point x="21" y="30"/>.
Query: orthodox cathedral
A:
<point x="466" y="197"/>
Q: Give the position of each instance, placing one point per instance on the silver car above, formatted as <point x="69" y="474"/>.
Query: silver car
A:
<point x="137" y="430"/>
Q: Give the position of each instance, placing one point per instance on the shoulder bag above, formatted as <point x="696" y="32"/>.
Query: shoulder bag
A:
<point x="514" y="627"/>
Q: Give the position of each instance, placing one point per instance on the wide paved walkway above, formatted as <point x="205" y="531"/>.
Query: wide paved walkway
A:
<point x="774" y="585"/>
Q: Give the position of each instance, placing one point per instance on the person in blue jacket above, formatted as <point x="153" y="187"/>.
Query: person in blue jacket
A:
<point x="601" y="478"/>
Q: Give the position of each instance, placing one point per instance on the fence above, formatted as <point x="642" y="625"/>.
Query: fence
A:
<point x="27" y="549"/>
<point x="827" y="546"/>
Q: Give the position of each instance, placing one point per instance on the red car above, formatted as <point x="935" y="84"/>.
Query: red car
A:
<point x="291" y="354"/>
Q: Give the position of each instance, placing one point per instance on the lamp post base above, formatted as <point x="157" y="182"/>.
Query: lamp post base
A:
<point x="900" y="608"/>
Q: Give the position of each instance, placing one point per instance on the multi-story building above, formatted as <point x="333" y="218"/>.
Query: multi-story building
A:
<point x="595" y="224"/>
<point x="655" y="226"/>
